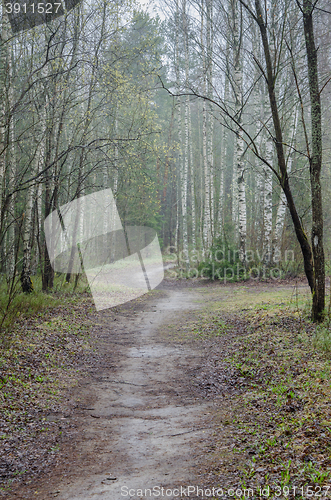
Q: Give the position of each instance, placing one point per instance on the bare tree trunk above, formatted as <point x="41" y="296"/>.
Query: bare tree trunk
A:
<point x="315" y="161"/>
<point x="4" y="135"/>
<point x="210" y="91"/>
<point x="10" y="169"/>
<point x="281" y="208"/>
<point x="192" y="174"/>
<point x="31" y="200"/>
<point x="220" y="211"/>
<point x="267" y="212"/>
<point x="179" y="125"/>
<point x="283" y="176"/>
<point x="224" y="153"/>
<point x="4" y="77"/>
<point x="258" y="108"/>
<point x="184" y="172"/>
<point x="239" y="145"/>
<point x="207" y="234"/>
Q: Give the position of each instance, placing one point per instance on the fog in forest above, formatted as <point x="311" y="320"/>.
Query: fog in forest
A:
<point x="208" y="120"/>
<point x="165" y="249"/>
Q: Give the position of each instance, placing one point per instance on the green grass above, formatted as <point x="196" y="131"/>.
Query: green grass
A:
<point x="42" y="354"/>
<point x="322" y="338"/>
<point x="281" y="363"/>
<point x="20" y="306"/>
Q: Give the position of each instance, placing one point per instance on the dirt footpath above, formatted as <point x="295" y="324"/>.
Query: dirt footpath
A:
<point x="140" y="424"/>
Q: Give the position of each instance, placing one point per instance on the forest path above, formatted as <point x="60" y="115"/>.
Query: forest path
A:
<point x="144" y="426"/>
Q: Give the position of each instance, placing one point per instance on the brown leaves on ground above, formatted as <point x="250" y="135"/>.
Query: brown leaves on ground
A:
<point x="270" y="382"/>
<point x="46" y="357"/>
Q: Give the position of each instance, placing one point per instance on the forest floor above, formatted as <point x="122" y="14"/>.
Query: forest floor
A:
<point x="197" y="384"/>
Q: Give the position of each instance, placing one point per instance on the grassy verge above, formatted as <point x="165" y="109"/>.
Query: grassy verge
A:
<point x="270" y="367"/>
<point x="16" y="305"/>
<point x="45" y="344"/>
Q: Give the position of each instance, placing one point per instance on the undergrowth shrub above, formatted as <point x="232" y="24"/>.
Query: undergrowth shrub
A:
<point x="223" y="263"/>
<point x="15" y="305"/>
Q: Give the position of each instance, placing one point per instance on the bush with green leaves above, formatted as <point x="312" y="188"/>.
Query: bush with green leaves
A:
<point x="223" y="263"/>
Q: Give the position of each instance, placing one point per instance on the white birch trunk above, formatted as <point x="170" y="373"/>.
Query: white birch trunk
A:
<point x="34" y="192"/>
<point x="200" y="177"/>
<point x="206" y="212"/>
<point x="258" y="108"/>
<point x="10" y="169"/>
<point x="4" y="58"/>
<point x="4" y="135"/>
<point x="184" y="173"/>
<point x="38" y="204"/>
<point x="220" y="213"/>
<point x="26" y="266"/>
<point x="239" y="143"/>
<point x="179" y="126"/>
<point x="234" y="191"/>
<point x="267" y="212"/>
<point x="211" y="173"/>
<point x="282" y="204"/>
<point x="223" y="158"/>
<point x="269" y="154"/>
<point x="209" y="34"/>
<point x="192" y="173"/>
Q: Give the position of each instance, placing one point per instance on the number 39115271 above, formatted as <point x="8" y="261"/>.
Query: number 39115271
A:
<point x="32" y="8"/>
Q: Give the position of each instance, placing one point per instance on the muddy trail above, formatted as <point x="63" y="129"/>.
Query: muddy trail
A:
<point x="194" y="385"/>
<point x="139" y="423"/>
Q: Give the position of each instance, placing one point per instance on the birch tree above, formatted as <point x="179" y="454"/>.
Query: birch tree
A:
<point x="206" y="220"/>
<point x="313" y="255"/>
<point x="239" y="143"/>
<point x="282" y="204"/>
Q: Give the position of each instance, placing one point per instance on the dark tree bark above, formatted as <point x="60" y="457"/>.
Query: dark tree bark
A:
<point x="48" y="274"/>
<point x="313" y="256"/>
<point x="315" y="162"/>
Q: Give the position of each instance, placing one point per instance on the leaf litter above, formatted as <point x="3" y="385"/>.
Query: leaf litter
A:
<point x="47" y="355"/>
<point x="267" y="372"/>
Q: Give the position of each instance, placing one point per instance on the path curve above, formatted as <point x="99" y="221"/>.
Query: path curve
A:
<point x="144" y="429"/>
